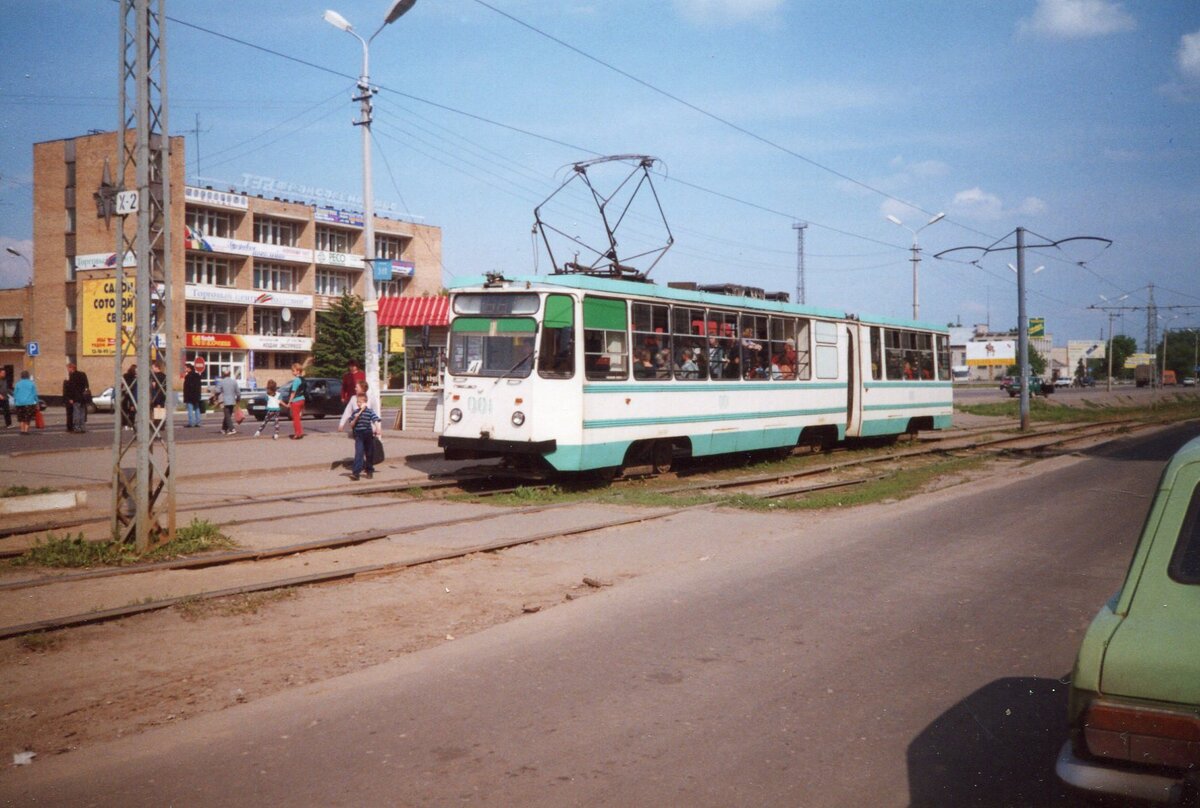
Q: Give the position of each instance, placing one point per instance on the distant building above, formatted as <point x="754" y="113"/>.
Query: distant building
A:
<point x="248" y="273"/>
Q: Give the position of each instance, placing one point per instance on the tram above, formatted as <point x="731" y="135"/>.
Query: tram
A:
<point x="575" y="372"/>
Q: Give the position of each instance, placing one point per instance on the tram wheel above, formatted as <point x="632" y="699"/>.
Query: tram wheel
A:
<point x="662" y="457"/>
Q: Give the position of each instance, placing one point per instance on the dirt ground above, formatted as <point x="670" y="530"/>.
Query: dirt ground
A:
<point x="66" y="689"/>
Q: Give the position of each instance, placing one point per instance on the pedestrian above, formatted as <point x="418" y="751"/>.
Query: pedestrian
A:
<point x="365" y="426"/>
<point x="25" y="399"/>
<point x="272" y="411"/>
<point x="294" y="390"/>
<point x="227" y="389"/>
<point x="77" y="394"/>
<point x="191" y="395"/>
<point x="129" y="397"/>
<point x="350" y="379"/>
<point x="158" y="390"/>
<point x="4" y="394"/>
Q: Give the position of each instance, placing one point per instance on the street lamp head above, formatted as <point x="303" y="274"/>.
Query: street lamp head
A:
<point x="398" y="10"/>
<point x="11" y="251"/>
<point x="337" y="20"/>
<point x="936" y="218"/>
<point x="894" y="220"/>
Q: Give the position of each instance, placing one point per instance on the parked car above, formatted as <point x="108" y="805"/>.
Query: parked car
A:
<point x="1189" y="381"/>
<point x="104" y="401"/>
<point x="1036" y="387"/>
<point x="1134" y="700"/>
<point x="321" y="397"/>
<point x="1006" y="382"/>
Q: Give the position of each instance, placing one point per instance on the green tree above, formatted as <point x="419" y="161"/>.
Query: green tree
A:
<point x="1122" y="348"/>
<point x="339" y="337"/>
<point x="1037" y="363"/>
<point x="1183" y="347"/>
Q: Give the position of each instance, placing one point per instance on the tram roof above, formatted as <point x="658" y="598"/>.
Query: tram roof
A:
<point x="624" y="288"/>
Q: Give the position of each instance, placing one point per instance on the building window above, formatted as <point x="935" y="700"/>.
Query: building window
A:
<point x="280" y="232"/>
<point x="389" y="247"/>
<point x="70" y="220"/>
<point x="270" y="323"/>
<point x="217" y="362"/>
<point x="211" y="319"/>
<point x="10" y="332"/>
<point x="333" y="283"/>
<point x="70" y="317"/>
<point x="209" y="271"/>
<point x="332" y="240"/>
<point x="70" y="173"/>
<point x="274" y="277"/>
<point x="210" y="222"/>
<point x="70" y="267"/>
<point x="392" y="288"/>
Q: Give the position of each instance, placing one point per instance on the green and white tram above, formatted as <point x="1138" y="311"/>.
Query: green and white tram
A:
<point x="576" y="373"/>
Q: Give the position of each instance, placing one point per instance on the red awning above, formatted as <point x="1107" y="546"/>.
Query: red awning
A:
<point x="409" y="312"/>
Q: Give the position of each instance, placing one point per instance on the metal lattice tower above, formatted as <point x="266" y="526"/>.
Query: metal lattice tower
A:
<point x="800" y="227"/>
<point x="1151" y="322"/>
<point x="143" y="492"/>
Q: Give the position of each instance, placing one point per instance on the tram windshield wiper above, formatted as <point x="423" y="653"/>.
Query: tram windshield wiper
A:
<point x="528" y="358"/>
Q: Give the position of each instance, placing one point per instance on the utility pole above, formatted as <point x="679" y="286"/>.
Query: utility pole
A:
<point x="1022" y="318"/>
<point x="800" y="227"/>
<point x="143" y="492"/>
<point x="1151" y="321"/>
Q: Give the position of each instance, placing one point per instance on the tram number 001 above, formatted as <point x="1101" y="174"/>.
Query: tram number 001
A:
<point x="479" y="405"/>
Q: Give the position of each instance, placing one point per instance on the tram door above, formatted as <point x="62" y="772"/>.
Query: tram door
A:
<point x="853" y="382"/>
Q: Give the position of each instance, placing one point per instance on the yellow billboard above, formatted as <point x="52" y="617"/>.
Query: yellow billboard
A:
<point x="98" y="314"/>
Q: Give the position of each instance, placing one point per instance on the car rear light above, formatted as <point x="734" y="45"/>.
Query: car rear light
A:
<point x="1151" y="737"/>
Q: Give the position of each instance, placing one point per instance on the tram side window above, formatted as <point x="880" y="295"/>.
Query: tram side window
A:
<point x="893" y="353"/>
<point x="783" y="348"/>
<point x="651" y="341"/>
<point x="908" y="354"/>
<point x="723" y="357"/>
<point x="605" y="353"/>
<point x="556" y="360"/>
<point x="755" y="347"/>
<point x="803" y="349"/>
<point x="876" y="355"/>
<point x="827" y="350"/>
<point x="923" y="355"/>
<point x="691" y="355"/>
<point x="943" y="357"/>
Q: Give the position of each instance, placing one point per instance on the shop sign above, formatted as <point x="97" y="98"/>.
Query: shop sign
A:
<point x="220" y="199"/>
<point x="92" y="261"/>
<point x="328" y="214"/>
<point x="98" y="318"/>
<point x="246" y="297"/>
<point x="242" y="342"/>
<point x="337" y="259"/>
<point x="255" y="249"/>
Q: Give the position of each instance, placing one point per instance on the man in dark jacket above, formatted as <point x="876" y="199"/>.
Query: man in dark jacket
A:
<point x="191" y="395"/>
<point x="4" y="394"/>
<point x="76" y="395"/>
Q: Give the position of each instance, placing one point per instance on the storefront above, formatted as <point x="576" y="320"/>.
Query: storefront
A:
<point x="417" y="331"/>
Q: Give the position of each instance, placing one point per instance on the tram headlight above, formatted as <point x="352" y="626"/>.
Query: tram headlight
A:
<point x="518" y="418"/>
<point x="455" y="415"/>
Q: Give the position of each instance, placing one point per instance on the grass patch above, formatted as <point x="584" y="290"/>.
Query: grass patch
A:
<point x="70" y="551"/>
<point x="250" y="603"/>
<point x="41" y="641"/>
<point x="1173" y="408"/>
<point x="24" y="491"/>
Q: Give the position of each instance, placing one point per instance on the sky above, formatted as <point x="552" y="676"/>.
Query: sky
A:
<point x="1063" y="117"/>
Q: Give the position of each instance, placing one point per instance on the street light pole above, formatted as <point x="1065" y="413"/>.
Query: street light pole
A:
<point x="916" y="254"/>
<point x="365" y="93"/>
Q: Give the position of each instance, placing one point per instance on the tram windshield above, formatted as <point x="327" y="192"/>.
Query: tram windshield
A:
<point x="492" y="346"/>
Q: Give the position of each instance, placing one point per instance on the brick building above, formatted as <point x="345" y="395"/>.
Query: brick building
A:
<point x="248" y="273"/>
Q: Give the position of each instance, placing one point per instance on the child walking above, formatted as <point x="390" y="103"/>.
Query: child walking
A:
<point x="272" y="416"/>
<point x="365" y="427"/>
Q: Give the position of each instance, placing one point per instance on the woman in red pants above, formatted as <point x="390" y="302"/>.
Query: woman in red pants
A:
<point x="295" y="391"/>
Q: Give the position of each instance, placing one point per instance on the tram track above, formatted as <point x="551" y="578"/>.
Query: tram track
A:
<point x="991" y="445"/>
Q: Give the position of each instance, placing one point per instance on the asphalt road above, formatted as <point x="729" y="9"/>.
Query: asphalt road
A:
<point x="910" y="654"/>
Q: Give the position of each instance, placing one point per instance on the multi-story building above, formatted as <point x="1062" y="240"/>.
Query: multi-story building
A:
<point x="248" y="273"/>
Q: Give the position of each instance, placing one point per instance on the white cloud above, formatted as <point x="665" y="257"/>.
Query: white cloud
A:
<point x="717" y="11"/>
<point x="14" y="270"/>
<point x="1077" y="19"/>
<point x="1188" y="57"/>
<point x="977" y="204"/>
